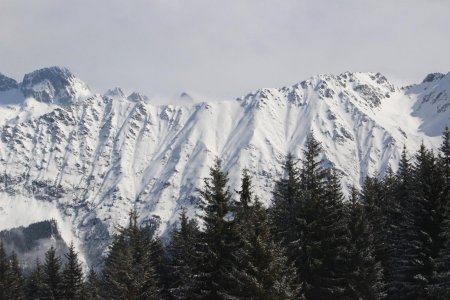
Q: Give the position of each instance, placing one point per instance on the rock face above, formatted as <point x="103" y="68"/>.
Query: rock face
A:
<point x="7" y="83"/>
<point x="95" y="157"/>
<point x="53" y="85"/>
<point x="137" y="97"/>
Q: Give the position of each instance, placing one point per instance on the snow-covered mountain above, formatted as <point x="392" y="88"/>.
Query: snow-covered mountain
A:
<point x="89" y="158"/>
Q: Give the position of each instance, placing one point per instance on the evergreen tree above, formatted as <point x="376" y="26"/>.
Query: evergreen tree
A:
<point x="129" y="272"/>
<point x="403" y="277"/>
<point x="218" y="263"/>
<point x="375" y="198"/>
<point x="91" y="290"/>
<point x="317" y="240"/>
<point x="15" y="279"/>
<point x="72" y="276"/>
<point x="386" y="225"/>
<point x="441" y="287"/>
<point x="285" y="203"/>
<point x="183" y="250"/>
<point x="428" y="184"/>
<point x="4" y="270"/>
<point x="52" y="267"/>
<point x="366" y="280"/>
<point x="444" y="162"/>
<point x="323" y="246"/>
<point x="160" y="262"/>
<point x="264" y="272"/>
<point x="116" y="273"/>
<point x="36" y="287"/>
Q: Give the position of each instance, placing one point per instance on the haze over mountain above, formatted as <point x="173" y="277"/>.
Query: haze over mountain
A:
<point x="87" y="159"/>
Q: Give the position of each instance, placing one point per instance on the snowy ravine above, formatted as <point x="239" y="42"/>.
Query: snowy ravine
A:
<point x="86" y="159"/>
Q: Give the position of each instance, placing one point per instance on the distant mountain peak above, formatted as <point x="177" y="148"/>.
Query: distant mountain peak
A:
<point x="137" y="97"/>
<point x="7" y="83"/>
<point x="185" y="96"/>
<point x="115" y="92"/>
<point x="53" y="85"/>
<point x="433" y="77"/>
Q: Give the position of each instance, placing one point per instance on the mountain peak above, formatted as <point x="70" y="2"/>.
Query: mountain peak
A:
<point x="433" y="77"/>
<point x="137" y="97"/>
<point x="7" y="83"/>
<point x="116" y="92"/>
<point x="53" y="85"/>
<point x="186" y="97"/>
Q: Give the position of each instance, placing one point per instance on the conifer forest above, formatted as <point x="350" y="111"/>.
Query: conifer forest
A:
<point x="389" y="240"/>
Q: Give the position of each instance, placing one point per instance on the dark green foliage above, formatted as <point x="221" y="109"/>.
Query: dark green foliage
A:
<point x="324" y="245"/>
<point x="129" y="270"/>
<point x="375" y="198"/>
<point x="427" y="216"/>
<point x="366" y="278"/>
<point x="444" y="161"/>
<point x="315" y="232"/>
<point x="15" y="279"/>
<point x="72" y="276"/>
<point x="160" y="262"/>
<point x="52" y="272"/>
<point x="36" y="287"/>
<point x="4" y="270"/>
<point x="91" y="290"/>
<point x="217" y="267"/>
<point x="264" y="272"/>
<point x="402" y="276"/>
<point x="441" y="287"/>
<point x="184" y="261"/>
<point x="285" y="202"/>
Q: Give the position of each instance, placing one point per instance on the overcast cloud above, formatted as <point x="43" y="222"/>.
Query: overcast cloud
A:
<point x="222" y="49"/>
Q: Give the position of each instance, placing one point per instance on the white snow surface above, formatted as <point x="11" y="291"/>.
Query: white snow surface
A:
<point x="97" y="157"/>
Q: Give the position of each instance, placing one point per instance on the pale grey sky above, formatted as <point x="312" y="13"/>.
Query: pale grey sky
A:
<point x="223" y="49"/>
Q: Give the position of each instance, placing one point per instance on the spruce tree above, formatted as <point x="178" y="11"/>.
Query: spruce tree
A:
<point x="366" y="278"/>
<point x="311" y="201"/>
<point x="160" y="261"/>
<point x="286" y="202"/>
<point x="217" y="247"/>
<point x="52" y="271"/>
<point x="91" y="289"/>
<point x="386" y="225"/>
<point x="403" y="277"/>
<point x="323" y="247"/>
<point x="15" y="279"/>
<point x="264" y="272"/>
<point x="72" y="276"/>
<point x="325" y="254"/>
<point x="375" y="196"/>
<point x="183" y="252"/>
<point x="444" y="162"/>
<point x="129" y="272"/>
<point x="428" y="187"/>
<point x="116" y="273"/>
<point x="441" y="287"/>
<point x="36" y="287"/>
<point x="4" y="270"/>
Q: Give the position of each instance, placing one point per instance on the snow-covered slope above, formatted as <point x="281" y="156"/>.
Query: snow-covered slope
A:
<point x="94" y="157"/>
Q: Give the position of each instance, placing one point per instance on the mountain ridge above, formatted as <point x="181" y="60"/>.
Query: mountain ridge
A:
<point x="95" y="157"/>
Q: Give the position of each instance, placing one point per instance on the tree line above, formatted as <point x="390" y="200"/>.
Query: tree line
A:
<point x="390" y="240"/>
